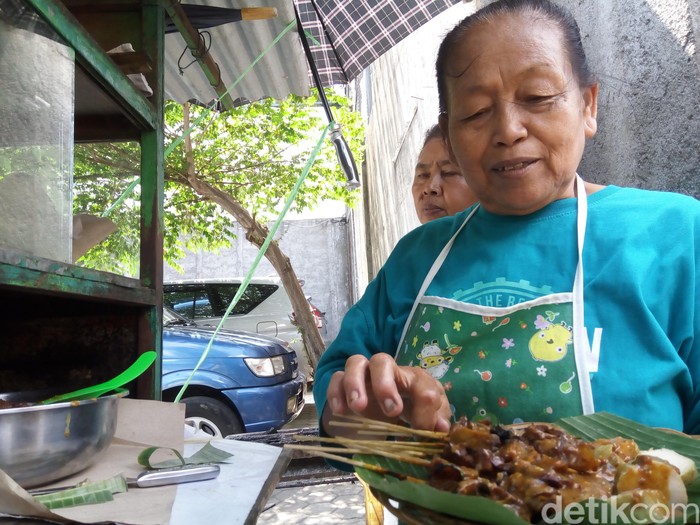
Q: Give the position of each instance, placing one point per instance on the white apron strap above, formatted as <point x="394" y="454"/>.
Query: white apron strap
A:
<point x="429" y="278"/>
<point x="580" y="339"/>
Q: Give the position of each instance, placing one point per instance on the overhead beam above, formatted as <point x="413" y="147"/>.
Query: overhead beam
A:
<point x="199" y="52"/>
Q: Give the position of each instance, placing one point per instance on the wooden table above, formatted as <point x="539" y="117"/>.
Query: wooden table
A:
<point x="240" y="493"/>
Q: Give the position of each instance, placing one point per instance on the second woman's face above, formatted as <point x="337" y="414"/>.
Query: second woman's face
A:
<point x="517" y="120"/>
<point x="438" y="187"/>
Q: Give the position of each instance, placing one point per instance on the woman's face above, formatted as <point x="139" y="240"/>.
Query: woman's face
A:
<point x="517" y="120"/>
<point x="438" y="187"/>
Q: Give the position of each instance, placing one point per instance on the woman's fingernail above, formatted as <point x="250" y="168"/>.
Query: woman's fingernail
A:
<point x="389" y="405"/>
<point x="354" y="396"/>
<point x="335" y="404"/>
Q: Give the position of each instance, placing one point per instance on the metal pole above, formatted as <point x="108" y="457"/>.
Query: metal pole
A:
<point x="345" y="158"/>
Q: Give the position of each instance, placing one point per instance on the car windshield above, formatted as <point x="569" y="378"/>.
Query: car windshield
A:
<point x="171" y="318"/>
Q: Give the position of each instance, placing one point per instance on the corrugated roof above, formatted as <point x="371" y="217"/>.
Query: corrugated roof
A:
<point x="234" y="47"/>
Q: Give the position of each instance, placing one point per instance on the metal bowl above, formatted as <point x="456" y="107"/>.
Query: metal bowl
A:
<point x="43" y="443"/>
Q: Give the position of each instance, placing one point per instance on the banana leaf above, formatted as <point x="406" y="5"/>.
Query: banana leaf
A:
<point x="207" y="454"/>
<point x="481" y="510"/>
<point x="87" y="493"/>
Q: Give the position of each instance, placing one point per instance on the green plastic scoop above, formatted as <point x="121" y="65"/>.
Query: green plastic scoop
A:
<point x="135" y="370"/>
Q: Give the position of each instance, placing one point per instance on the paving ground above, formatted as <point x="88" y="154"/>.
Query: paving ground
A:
<point x="316" y="505"/>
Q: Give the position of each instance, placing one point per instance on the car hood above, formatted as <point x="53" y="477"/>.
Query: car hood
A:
<point x="228" y="343"/>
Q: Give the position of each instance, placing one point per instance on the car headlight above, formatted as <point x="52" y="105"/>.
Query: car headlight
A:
<point x="265" y="366"/>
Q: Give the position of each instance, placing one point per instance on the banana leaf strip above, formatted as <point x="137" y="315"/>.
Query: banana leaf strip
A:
<point x="87" y="493"/>
<point x="207" y="454"/>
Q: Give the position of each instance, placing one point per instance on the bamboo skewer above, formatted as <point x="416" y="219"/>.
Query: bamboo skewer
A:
<point x="405" y="445"/>
<point x="365" y="424"/>
<point x="362" y="464"/>
<point x="411" y="451"/>
<point x="413" y="460"/>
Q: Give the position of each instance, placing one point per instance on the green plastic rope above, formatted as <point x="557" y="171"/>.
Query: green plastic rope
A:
<point x="122" y="197"/>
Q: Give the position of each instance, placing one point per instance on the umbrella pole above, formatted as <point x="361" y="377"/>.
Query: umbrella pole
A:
<point x="345" y="158"/>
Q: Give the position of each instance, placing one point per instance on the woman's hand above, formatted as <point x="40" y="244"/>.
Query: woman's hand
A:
<point x="380" y="389"/>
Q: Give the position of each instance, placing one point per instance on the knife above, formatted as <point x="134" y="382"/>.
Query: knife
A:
<point x="156" y="478"/>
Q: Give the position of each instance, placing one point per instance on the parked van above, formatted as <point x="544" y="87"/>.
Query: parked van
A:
<point x="264" y="308"/>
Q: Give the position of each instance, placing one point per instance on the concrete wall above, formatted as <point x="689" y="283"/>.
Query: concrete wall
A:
<point x="318" y="250"/>
<point x="645" y="56"/>
<point x="644" y="53"/>
<point x="398" y="97"/>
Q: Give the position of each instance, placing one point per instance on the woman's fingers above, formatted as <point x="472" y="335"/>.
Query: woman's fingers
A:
<point x="354" y="383"/>
<point x="378" y="388"/>
<point x="385" y="380"/>
<point x="335" y="395"/>
<point x="347" y="390"/>
<point x="427" y="406"/>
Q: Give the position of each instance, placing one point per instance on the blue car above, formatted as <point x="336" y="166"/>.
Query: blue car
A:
<point x="247" y="383"/>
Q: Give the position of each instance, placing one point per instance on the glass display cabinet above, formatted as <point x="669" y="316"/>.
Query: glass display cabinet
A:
<point x="64" y="326"/>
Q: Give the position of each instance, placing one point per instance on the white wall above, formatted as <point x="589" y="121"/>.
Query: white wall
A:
<point x="397" y="94"/>
<point x="318" y="250"/>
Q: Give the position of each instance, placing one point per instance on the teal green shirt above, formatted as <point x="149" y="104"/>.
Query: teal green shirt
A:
<point x="641" y="266"/>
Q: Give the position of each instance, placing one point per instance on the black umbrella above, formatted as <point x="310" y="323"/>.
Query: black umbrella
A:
<point x="205" y="16"/>
<point x="346" y="36"/>
<point x="349" y="35"/>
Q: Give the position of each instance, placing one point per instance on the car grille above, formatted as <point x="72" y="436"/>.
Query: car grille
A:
<point x="292" y="364"/>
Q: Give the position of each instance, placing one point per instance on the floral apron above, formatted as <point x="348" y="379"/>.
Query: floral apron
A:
<point x="526" y="362"/>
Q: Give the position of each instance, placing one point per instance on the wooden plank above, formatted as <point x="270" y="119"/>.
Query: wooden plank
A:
<point x="22" y="271"/>
<point x="152" y="189"/>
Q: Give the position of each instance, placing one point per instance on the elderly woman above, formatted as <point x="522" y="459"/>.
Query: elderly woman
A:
<point x="438" y="187"/>
<point x="552" y="297"/>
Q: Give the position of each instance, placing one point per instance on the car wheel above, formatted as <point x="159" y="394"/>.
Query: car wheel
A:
<point x="211" y="416"/>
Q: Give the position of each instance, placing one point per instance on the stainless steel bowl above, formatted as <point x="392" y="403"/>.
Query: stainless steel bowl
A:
<point x="43" y="443"/>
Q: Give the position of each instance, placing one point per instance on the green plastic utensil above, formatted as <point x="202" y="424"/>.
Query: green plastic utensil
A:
<point x="135" y="370"/>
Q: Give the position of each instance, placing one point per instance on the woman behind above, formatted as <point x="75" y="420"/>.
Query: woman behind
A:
<point x="438" y="187"/>
<point x="552" y="297"/>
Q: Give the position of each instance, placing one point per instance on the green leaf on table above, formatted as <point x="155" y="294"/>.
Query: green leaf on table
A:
<point x="144" y="458"/>
<point x="87" y="493"/>
<point x="207" y="454"/>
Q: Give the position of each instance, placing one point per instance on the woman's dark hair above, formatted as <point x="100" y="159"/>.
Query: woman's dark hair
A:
<point x="557" y="14"/>
<point x="434" y="132"/>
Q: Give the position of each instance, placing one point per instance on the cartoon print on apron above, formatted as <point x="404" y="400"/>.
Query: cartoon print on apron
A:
<point x="526" y="362"/>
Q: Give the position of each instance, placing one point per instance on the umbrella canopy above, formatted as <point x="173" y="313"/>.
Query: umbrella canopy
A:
<point x="351" y="34"/>
<point x="344" y="36"/>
